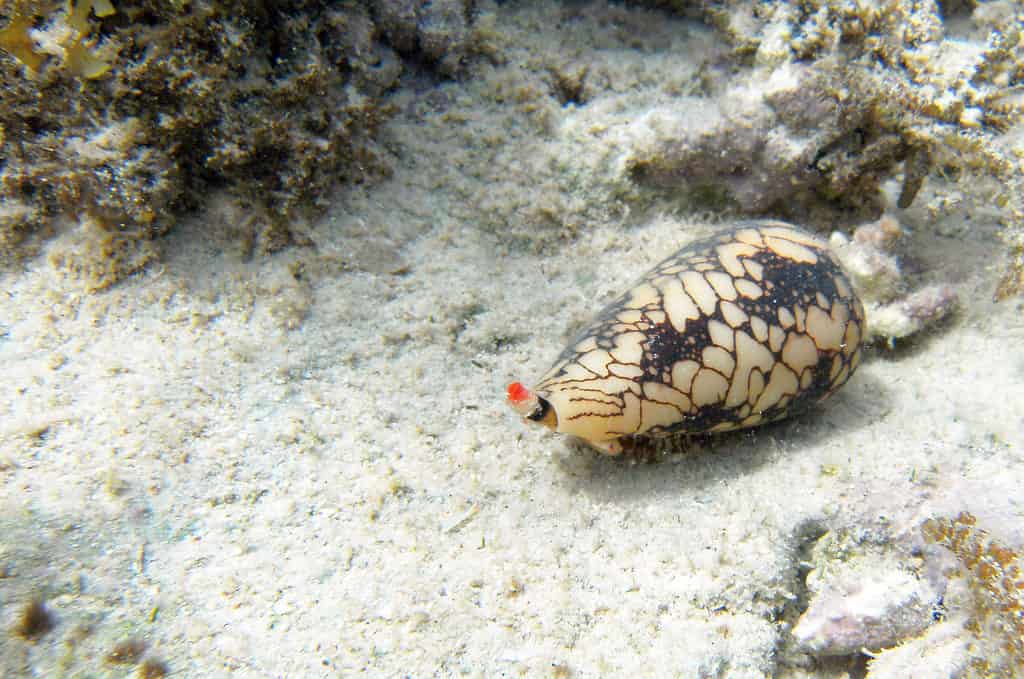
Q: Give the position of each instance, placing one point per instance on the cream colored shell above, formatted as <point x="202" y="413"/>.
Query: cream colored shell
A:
<point x="732" y="331"/>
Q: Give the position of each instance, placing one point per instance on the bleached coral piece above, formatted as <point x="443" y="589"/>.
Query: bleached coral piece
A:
<point x="912" y="314"/>
<point x="869" y="258"/>
<point x="874" y="267"/>
<point x="865" y="605"/>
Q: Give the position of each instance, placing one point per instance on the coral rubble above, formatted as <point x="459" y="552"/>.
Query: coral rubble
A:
<point x="863" y="595"/>
<point x="864" y="607"/>
<point x="894" y="310"/>
<point x="892" y="88"/>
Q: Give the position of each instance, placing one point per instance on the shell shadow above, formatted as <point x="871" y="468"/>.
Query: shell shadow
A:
<point x="685" y="465"/>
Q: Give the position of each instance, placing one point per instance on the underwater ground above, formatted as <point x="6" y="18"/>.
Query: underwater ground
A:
<point x="283" y="449"/>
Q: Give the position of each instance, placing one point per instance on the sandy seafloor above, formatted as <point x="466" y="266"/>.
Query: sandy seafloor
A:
<point x="302" y="465"/>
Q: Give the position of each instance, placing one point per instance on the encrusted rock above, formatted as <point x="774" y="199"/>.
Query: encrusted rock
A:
<point x="866" y="603"/>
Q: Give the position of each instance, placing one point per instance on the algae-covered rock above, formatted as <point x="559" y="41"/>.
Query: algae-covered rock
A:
<point x="799" y="110"/>
<point x="118" y="116"/>
<point x="923" y="88"/>
<point x="779" y="141"/>
<point x="436" y="29"/>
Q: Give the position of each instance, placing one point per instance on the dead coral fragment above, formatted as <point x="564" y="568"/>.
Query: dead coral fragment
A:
<point x="870" y="259"/>
<point x="893" y="313"/>
<point x="996" y="578"/>
<point x="913" y="313"/>
<point x="868" y="604"/>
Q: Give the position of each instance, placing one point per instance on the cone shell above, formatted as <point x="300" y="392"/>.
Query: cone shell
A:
<point x="732" y="331"/>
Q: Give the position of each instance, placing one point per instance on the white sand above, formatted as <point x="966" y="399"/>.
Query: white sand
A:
<point x="262" y="476"/>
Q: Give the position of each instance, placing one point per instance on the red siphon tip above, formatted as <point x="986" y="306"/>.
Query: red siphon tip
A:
<point x="517" y="393"/>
